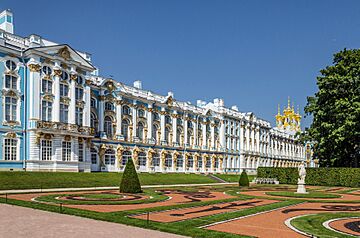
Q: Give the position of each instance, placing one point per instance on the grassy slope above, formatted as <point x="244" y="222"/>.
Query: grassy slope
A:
<point x="27" y="180"/>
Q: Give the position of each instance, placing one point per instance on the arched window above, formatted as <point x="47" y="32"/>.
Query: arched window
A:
<point x="156" y="160"/>
<point x="46" y="110"/>
<point x="46" y="70"/>
<point x="108" y="127"/>
<point x="155" y="129"/>
<point x="126" y="155"/>
<point x="167" y="134"/>
<point x="141" y="113"/>
<point x="178" y="135"/>
<point x="156" y="117"/>
<point x="10" y="82"/>
<point x="179" y="122"/>
<point x="125" y="128"/>
<point x="126" y="110"/>
<point x="180" y="161"/>
<point x="168" y="119"/>
<point x="10" y="65"/>
<point x="189" y="124"/>
<point x="190" y="162"/>
<point x="109" y="106"/>
<point x="10" y="108"/>
<point x="79" y="80"/>
<point x="168" y="161"/>
<point x="142" y="159"/>
<point x="64" y="76"/>
<point x="93" y="103"/>
<point x="140" y="130"/>
<point x="93" y="121"/>
<point x="109" y="157"/>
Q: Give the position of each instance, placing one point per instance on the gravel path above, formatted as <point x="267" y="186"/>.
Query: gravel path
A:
<point x="19" y="222"/>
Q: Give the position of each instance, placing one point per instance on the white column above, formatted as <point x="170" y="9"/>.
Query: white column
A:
<point x="257" y="136"/>
<point x="34" y="92"/>
<point x="134" y="122"/>
<point x="149" y="118"/>
<point x="195" y="142"/>
<point x="222" y="135"/>
<point x="212" y="131"/>
<point x="162" y="125"/>
<point x="252" y="135"/>
<point x="118" y="120"/>
<point x="174" y="129"/>
<point x="101" y="115"/>
<point x="203" y="126"/>
<point x="56" y="103"/>
<point x="72" y="100"/>
<point x="185" y="131"/>
<point x="247" y="133"/>
<point x="87" y="106"/>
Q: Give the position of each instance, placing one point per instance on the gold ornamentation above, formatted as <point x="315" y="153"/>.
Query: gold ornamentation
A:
<point x="34" y="67"/>
<point x="64" y="53"/>
<point x="10" y="135"/>
<point x="73" y="77"/>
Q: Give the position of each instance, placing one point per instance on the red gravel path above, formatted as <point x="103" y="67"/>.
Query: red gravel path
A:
<point x="339" y="225"/>
<point x="195" y="212"/>
<point x="271" y="224"/>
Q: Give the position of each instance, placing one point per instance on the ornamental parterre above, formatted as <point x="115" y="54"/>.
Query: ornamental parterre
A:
<point x="58" y="114"/>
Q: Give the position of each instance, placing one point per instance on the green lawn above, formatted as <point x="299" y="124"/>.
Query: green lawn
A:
<point x="28" y="180"/>
<point x="233" y="178"/>
<point x="305" y="195"/>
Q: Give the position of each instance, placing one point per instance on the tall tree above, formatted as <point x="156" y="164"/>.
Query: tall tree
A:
<point x="336" y="112"/>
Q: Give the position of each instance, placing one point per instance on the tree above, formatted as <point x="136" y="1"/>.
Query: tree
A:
<point x="130" y="181"/>
<point x="244" y="180"/>
<point x="336" y="112"/>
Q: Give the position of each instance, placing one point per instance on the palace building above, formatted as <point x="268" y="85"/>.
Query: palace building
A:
<point x="58" y="114"/>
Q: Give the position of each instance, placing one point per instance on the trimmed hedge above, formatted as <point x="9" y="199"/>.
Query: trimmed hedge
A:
<point x="130" y="181"/>
<point x="345" y="177"/>
<point x="244" y="180"/>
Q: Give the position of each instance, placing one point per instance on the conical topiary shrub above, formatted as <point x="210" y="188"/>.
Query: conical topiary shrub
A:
<point x="130" y="181"/>
<point x="244" y="180"/>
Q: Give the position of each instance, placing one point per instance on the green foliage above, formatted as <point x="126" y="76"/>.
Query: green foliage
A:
<point x="244" y="180"/>
<point x="336" y="112"/>
<point x="347" y="177"/>
<point x="130" y="181"/>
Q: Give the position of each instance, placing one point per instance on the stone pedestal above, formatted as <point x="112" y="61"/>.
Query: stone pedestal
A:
<point x="301" y="188"/>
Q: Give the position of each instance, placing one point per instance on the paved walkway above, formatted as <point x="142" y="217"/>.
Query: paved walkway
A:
<point x="26" y="222"/>
<point x="37" y="190"/>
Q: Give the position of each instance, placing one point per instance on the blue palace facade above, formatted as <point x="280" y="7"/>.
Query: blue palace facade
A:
<point x="58" y="114"/>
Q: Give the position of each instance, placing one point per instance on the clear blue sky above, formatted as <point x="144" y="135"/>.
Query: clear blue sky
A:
<point x="251" y="53"/>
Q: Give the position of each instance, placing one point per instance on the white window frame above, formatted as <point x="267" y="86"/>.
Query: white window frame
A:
<point x="49" y="108"/>
<point x="66" y="147"/>
<point x="48" y="150"/>
<point x="17" y="150"/>
<point x="81" y="150"/>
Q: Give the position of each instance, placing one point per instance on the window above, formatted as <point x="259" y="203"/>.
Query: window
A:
<point x="93" y="103"/>
<point x="167" y="119"/>
<point x="79" y="93"/>
<point x="46" y="70"/>
<point x="208" y="163"/>
<point x="64" y="111"/>
<point x="190" y="124"/>
<point x="11" y="65"/>
<point x="190" y="162"/>
<point x="179" y="121"/>
<point x="46" y="149"/>
<point x="156" y="160"/>
<point x="216" y="163"/>
<point x="81" y="152"/>
<point x="141" y="113"/>
<point x="64" y="90"/>
<point x="46" y="110"/>
<point x="126" y="110"/>
<point x="10" y="108"/>
<point x="110" y="157"/>
<point x="168" y="160"/>
<point x="10" y="82"/>
<point x="10" y="150"/>
<point x="178" y="135"/>
<point x="199" y="163"/>
<point x="93" y="121"/>
<point x="180" y="161"/>
<point x="109" y="106"/>
<point x="156" y="117"/>
<point x="79" y="116"/>
<point x="64" y="76"/>
<point x="93" y="156"/>
<point x="66" y="151"/>
<point x="140" y="131"/>
<point x="142" y="159"/>
<point x="108" y="127"/>
<point x="167" y="134"/>
<point x="125" y="128"/>
<point x="125" y="157"/>
<point x="79" y="80"/>
<point x="46" y="86"/>
<point x="189" y="135"/>
<point x="154" y="132"/>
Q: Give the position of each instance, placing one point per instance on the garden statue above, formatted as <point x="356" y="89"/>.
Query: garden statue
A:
<point x="301" y="180"/>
